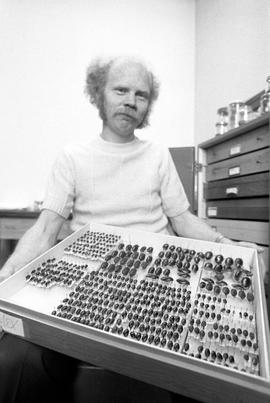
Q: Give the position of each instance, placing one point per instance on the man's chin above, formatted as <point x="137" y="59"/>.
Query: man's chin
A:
<point x="127" y="125"/>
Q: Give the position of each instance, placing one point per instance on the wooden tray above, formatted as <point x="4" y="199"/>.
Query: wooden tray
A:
<point x="30" y="318"/>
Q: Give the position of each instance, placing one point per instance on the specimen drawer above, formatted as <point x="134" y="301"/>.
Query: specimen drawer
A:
<point x="244" y="143"/>
<point x="258" y="161"/>
<point x="249" y="231"/>
<point x="241" y="186"/>
<point x="240" y="209"/>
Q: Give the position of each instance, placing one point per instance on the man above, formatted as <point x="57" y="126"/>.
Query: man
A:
<point x="124" y="91"/>
<point x="116" y="179"/>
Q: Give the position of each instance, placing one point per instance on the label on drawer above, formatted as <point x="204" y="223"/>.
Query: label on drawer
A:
<point x="212" y="211"/>
<point x="232" y="191"/>
<point x="235" y="149"/>
<point x="234" y="171"/>
<point x="11" y="324"/>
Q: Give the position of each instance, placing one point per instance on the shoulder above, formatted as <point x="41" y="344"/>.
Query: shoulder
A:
<point x="74" y="151"/>
<point x="156" y="149"/>
<point x="70" y="155"/>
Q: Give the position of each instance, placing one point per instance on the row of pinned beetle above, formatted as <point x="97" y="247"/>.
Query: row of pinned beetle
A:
<point x="228" y="268"/>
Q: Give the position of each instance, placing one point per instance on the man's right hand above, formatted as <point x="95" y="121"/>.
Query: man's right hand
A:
<point x="40" y="237"/>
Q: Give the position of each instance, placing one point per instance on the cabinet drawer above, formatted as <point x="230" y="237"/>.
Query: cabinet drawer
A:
<point x="253" y="140"/>
<point x="242" y="186"/>
<point x="243" y="165"/>
<point x="241" y="209"/>
<point x="249" y="231"/>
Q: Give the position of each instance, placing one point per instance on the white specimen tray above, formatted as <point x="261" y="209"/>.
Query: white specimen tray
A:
<point x="26" y="312"/>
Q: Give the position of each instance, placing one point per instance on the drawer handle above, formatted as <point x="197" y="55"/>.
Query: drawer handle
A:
<point x="235" y="149"/>
<point x="212" y="211"/>
<point x="232" y="191"/>
<point x="259" y="138"/>
<point x="234" y="171"/>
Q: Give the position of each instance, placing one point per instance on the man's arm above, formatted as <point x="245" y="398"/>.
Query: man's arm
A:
<point x="190" y="226"/>
<point x="40" y="237"/>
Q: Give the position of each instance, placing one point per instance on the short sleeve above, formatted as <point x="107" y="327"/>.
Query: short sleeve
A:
<point x="173" y="196"/>
<point x="60" y="191"/>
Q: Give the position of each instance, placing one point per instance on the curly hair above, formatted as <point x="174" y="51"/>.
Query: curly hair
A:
<point x="96" y="79"/>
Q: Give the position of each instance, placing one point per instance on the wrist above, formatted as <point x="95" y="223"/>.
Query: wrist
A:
<point x="222" y="239"/>
<point x="228" y="241"/>
<point x="219" y="238"/>
<point x="9" y="266"/>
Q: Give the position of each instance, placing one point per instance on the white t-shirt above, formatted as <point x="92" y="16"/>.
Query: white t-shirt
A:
<point x="131" y="185"/>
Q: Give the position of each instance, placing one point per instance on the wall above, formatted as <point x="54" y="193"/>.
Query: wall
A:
<point x="46" y="46"/>
<point x="232" y="56"/>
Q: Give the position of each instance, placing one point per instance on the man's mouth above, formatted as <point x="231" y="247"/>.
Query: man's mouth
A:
<point x="126" y="116"/>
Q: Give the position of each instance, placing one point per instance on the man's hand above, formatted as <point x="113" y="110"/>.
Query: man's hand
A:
<point x="243" y="243"/>
<point x="34" y="242"/>
<point x="251" y="245"/>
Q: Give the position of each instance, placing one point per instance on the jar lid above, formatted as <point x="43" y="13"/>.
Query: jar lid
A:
<point x="222" y="111"/>
<point x="265" y="96"/>
<point x="237" y="102"/>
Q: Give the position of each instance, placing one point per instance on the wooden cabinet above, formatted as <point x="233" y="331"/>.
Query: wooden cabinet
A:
<point x="233" y="183"/>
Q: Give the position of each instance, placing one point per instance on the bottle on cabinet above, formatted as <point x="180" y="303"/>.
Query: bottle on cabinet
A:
<point x="265" y="98"/>
<point x="222" y="122"/>
<point x="236" y="113"/>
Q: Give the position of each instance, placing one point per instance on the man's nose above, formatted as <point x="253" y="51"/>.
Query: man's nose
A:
<point x="130" y="100"/>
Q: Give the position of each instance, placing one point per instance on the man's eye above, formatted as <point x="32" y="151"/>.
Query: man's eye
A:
<point x="120" y="91"/>
<point x="143" y="97"/>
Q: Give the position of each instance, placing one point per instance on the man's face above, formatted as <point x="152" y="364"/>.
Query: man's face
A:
<point x="126" y="98"/>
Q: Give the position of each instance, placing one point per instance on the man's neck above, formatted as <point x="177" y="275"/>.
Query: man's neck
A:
<point x="108" y="135"/>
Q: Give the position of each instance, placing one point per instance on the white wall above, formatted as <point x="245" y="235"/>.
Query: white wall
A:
<point x="45" y="48"/>
<point x="232" y="56"/>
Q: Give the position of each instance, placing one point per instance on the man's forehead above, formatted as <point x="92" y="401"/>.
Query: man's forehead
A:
<point x="124" y="69"/>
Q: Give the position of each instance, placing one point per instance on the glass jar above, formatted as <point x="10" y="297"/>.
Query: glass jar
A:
<point x="236" y="110"/>
<point x="221" y="128"/>
<point x="265" y="103"/>
<point x="222" y="121"/>
<point x="222" y="114"/>
<point x="245" y="114"/>
<point x="265" y="98"/>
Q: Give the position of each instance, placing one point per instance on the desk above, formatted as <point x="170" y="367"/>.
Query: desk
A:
<point x="13" y="224"/>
